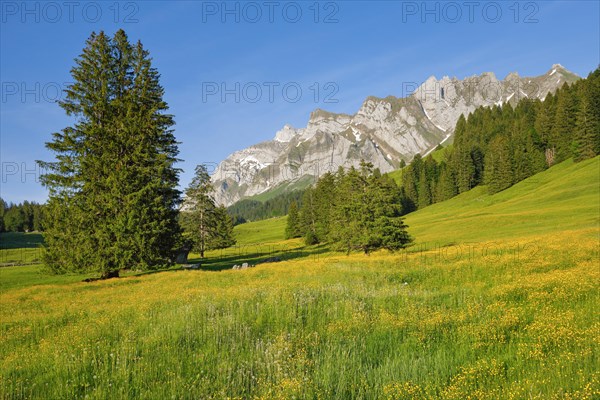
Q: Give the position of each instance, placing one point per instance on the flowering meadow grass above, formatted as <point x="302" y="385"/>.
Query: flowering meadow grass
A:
<point x="509" y="314"/>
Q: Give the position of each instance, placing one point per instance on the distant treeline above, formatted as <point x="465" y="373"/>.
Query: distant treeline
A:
<point x="253" y="210"/>
<point x="501" y="146"/>
<point x="22" y="217"/>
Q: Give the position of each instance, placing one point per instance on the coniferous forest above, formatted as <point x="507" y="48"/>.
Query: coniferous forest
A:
<point x="501" y="146"/>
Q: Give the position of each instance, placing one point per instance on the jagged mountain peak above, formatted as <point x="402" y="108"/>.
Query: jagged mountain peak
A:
<point x="319" y="114"/>
<point x="383" y="131"/>
<point x="285" y="134"/>
<point x="512" y="76"/>
<point x="561" y="71"/>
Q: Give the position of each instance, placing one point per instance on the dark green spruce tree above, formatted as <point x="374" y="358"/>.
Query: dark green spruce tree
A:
<point x="411" y="176"/>
<point x="446" y="188"/>
<point x="197" y="217"/>
<point x="498" y="165"/>
<point x="308" y="217"/>
<point x="112" y="189"/>
<point x="544" y="118"/>
<point x="222" y="233"/>
<point x="586" y="142"/>
<point x="348" y="232"/>
<point x="325" y="200"/>
<point x="292" y="229"/>
<point x="563" y="127"/>
<point x="461" y="162"/>
<point x="386" y="227"/>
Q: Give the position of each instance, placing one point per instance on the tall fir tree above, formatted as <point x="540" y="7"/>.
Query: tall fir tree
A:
<point x="308" y="217"/>
<point x="563" y="127"/>
<point x="38" y="218"/>
<point x="348" y="231"/>
<point x="424" y="188"/>
<point x="544" y="119"/>
<point x="292" y="229"/>
<point x="427" y="181"/>
<point x="461" y="162"/>
<point x="222" y="233"/>
<point x="586" y="142"/>
<point x="411" y="176"/>
<point x="198" y="216"/>
<point x="446" y="188"/>
<point x="464" y="169"/>
<point x="324" y="202"/>
<point x="498" y="166"/>
<point x="113" y="189"/>
<point x="527" y="159"/>
<point x="387" y="228"/>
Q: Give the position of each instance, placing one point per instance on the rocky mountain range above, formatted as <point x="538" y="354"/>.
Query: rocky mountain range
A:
<point x="383" y="131"/>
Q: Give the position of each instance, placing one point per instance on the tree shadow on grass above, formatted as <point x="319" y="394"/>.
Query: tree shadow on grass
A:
<point x="257" y="254"/>
<point x="20" y="240"/>
<point x="237" y="255"/>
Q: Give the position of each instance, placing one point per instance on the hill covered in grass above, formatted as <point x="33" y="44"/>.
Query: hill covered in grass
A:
<point x="564" y="197"/>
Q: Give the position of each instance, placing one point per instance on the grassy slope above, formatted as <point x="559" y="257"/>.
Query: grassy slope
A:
<point x="489" y="323"/>
<point x="301" y="184"/>
<point x="265" y="231"/>
<point x="562" y="198"/>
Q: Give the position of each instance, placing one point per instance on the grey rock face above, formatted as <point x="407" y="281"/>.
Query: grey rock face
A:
<point x="383" y="132"/>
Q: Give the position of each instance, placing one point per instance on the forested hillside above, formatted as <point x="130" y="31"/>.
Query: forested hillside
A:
<point x="254" y="210"/>
<point x="501" y="146"/>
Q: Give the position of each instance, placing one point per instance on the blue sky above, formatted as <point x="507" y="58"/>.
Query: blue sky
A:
<point x="335" y="53"/>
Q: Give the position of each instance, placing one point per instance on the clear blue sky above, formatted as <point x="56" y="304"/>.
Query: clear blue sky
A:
<point x="362" y="48"/>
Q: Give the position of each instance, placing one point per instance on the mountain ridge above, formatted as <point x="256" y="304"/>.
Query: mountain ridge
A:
<point x="383" y="131"/>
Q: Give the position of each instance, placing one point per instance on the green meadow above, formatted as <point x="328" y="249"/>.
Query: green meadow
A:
<point x="497" y="299"/>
